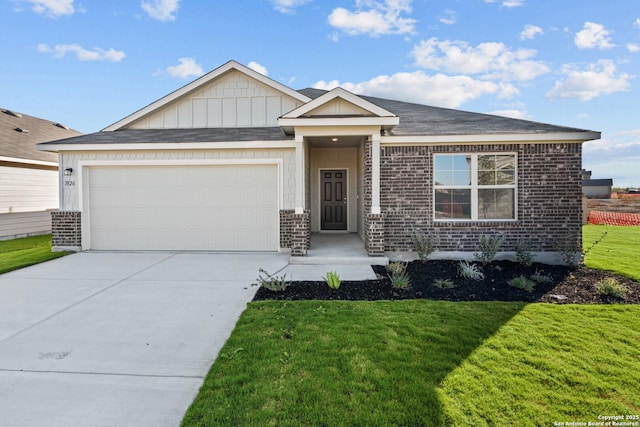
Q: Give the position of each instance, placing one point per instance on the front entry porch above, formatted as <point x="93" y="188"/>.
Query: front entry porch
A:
<point x="337" y="248"/>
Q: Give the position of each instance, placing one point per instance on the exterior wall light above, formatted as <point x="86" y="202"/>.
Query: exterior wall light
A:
<point x="68" y="171"/>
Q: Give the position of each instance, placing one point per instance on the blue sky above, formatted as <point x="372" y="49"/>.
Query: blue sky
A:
<point x="574" y="63"/>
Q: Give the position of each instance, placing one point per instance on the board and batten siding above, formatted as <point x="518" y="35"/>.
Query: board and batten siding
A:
<point x="234" y="100"/>
<point x="70" y="200"/>
<point x="27" y="190"/>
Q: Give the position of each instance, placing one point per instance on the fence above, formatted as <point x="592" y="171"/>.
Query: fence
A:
<point x="614" y="218"/>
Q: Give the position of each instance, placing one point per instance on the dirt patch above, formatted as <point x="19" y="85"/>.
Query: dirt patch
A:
<point x="625" y="205"/>
<point x="565" y="285"/>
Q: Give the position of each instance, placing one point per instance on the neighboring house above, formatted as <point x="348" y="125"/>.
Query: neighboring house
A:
<point x="235" y="161"/>
<point x="28" y="177"/>
<point x="596" y="188"/>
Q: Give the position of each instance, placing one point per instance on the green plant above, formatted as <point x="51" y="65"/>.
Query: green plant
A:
<point x="612" y="288"/>
<point x="521" y="282"/>
<point x="397" y="272"/>
<point x="523" y="252"/>
<point x="470" y="271"/>
<point x="541" y="277"/>
<point x="489" y="247"/>
<point x="444" y="284"/>
<point x="272" y="282"/>
<point x="570" y="251"/>
<point x="424" y="243"/>
<point x="332" y="279"/>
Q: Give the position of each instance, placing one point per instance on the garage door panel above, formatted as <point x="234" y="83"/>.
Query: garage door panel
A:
<point x="221" y="207"/>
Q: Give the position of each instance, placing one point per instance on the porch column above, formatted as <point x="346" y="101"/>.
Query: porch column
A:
<point x="375" y="174"/>
<point x="299" y="178"/>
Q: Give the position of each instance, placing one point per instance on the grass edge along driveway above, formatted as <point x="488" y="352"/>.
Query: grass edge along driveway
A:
<point x="26" y="251"/>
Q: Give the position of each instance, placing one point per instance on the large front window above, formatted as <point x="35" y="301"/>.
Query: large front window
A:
<point x="474" y="186"/>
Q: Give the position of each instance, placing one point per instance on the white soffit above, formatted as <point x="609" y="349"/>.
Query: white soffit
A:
<point x="202" y="81"/>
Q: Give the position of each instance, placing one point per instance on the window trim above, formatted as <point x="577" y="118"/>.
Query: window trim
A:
<point x="474" y="187"/>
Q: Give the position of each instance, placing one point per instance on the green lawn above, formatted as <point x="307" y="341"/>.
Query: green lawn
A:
<point x="26" y="251"/>
<point x="418" y="362"/>
<point x="618" y="249"/>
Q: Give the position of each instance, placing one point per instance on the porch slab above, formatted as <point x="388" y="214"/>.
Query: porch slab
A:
<point x="337" y="249"/>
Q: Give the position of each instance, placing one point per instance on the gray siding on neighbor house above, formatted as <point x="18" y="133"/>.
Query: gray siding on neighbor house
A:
<point x="549" y="202"/>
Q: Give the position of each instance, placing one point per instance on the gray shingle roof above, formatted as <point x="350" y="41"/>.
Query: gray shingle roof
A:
<point x="607" y="182"/>
<point x="418" y="119"/>
<point x="142" y="136"/>
<point x="22" y="145"/>
<point x="415" y="119"/>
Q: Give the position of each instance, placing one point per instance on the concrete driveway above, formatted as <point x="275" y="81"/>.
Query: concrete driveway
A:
<point x="117" y="339"/>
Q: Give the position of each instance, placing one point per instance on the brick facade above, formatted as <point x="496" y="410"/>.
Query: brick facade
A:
<point x="295" y="231"/>
<point x="549" y="204"/>
<point x="66" y="229"/>
<point x="374" y="242"/>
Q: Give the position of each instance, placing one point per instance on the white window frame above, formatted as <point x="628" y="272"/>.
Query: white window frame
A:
<point x="474" y="187"/>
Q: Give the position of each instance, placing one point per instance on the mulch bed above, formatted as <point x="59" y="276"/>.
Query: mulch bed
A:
<point x="576" y="286"/>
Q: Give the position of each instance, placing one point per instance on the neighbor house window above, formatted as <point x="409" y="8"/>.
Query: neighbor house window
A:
<point x="474" y="186"/>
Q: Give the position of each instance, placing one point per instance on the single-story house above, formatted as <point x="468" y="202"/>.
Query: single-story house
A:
<point x="596" y="188"/>
<point x="28" y="177"/>
<point x="235" y="161"/>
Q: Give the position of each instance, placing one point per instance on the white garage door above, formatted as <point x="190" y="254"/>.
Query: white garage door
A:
<point x="185" y="207"/>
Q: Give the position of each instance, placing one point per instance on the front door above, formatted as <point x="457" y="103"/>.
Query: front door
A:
<point x="333" y="199"/>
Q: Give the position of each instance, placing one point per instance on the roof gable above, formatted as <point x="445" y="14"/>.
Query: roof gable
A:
<point x="229" y="96"/>
<point x="338" y="102"/>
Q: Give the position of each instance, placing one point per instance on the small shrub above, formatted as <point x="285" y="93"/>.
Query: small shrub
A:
<point x="333" y="280"/>
<point x="489" y="247"/>
<point x="272" y="282"/>
<point x="524" y="255"/>
<point x="470" y="271"/>
<point x="522" y="282"/>
<point x="612" y="288"/>
<point x="444" y="284"/>
<point x="424" y="243"/>
<point x="397" y="272"/>
<point x="570" y="251"/>
<point x="541" y="277"/>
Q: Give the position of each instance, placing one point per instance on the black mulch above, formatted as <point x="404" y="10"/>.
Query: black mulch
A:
<point x="567" y="285"/>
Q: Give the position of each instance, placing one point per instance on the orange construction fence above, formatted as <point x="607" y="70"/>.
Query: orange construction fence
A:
<point x="614" y="218"/>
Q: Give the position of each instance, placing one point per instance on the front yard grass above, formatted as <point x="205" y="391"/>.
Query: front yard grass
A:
<point x="18" y="253"/>
<point x="617" y="250"/>
<point x="423" y="363"/>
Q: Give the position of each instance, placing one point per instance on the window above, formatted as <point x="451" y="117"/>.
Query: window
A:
<point x="474" y="186"/>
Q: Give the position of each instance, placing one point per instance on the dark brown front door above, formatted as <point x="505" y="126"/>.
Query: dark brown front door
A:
<point x="333" y="199"/>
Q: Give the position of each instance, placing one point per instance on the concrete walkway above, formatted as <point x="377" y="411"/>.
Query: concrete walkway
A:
<point x="117" y="339"/>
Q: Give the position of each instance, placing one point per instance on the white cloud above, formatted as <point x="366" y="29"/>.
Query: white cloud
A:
<point x="52" y="8"/>
<point x="508" y="3"/>
<point x="439" y="89"/>
<point x="593" y="36"/>
<point x="187" y="68"/>
<point x="448" y="17"/>
<point x="513" y="3"/>
<point x="162" y="10"/>
<point x="288" y="6"/>
<point x="493" y="60"/>
<point x="637" y="23"/>
<point x="530" y="31"/>
<point x="600" y="78"/>
<point x="374" y="18"/>
<point x="514" y="114"/>
<point x="95" y="54"/>
<point x="633" y="48"/>
<point x="258" y="68"/>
